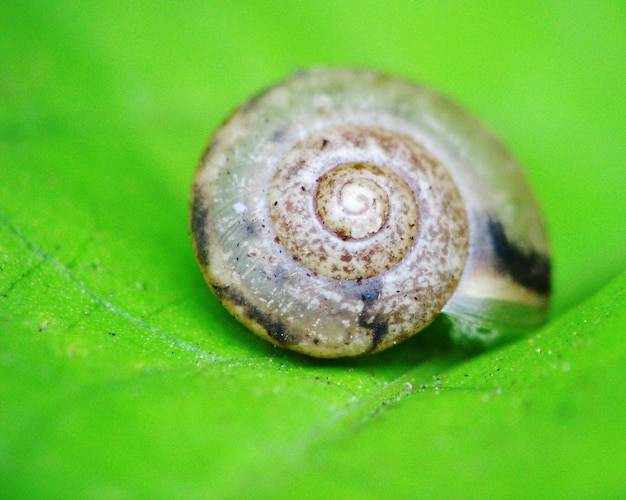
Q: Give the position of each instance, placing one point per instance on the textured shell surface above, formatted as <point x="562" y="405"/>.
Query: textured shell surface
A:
<point x="342" y="211"/>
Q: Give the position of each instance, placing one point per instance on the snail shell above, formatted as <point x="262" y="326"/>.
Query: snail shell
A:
<point x="342" y="211"/>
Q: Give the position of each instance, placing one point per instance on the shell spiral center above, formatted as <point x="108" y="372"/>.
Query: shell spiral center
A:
<point x="338" y="206"/>
<point x="352" y="200"/>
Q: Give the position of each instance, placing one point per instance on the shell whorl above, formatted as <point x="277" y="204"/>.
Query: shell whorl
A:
<point x="345" y="203"/>
<point x="333" y="217"/>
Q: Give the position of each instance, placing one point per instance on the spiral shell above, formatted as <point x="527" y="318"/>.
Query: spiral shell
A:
<point x="342" y="211"/>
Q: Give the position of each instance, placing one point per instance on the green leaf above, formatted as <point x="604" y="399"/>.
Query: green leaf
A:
<point x="121" y="375"/>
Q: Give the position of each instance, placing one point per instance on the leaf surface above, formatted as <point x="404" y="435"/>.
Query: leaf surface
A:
<point x="121" y="375"/>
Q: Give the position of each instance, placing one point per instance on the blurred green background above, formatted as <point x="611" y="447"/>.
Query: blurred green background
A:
<point x="120" y="375"/>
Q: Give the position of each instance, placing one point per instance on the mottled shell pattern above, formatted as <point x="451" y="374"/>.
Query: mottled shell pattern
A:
<point x="342" y="211"/>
